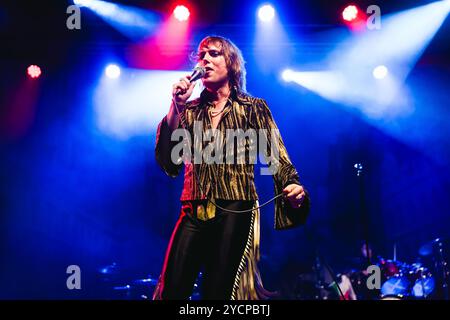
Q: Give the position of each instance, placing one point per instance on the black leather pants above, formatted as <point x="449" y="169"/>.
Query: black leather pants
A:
<point x="215" y="246"/>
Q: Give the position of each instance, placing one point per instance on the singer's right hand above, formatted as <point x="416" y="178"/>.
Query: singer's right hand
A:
<point x="184" y="88"/>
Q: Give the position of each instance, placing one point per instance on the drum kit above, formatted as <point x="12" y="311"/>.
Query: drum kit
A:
<point x="117" y="284"/>
<point x="425" y="279"/>
<point x="402" y="280"/>
<point x="416" y="280"/>
<point x="139" y="289"/>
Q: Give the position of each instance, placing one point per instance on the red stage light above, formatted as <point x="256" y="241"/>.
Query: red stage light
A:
<point x="181" y="13"/>
<point x="350" y="13"/>
<point x="354" y="18"/>
<point x="34" y="71"/>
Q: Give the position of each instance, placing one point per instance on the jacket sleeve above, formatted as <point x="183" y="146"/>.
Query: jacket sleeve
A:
<point x="163" y="150"/>
<point x="280" y="167"/>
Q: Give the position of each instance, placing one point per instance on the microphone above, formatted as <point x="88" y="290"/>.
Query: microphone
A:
<point x="197" y="73"/>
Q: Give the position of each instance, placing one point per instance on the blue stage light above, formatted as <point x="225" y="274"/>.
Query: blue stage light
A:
<point x="112" y="71"/>
<point x="266" y="13"/>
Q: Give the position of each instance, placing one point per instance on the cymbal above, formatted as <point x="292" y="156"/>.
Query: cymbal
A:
<point x="122" y="288"/>
<point x="146" y="281"/>
<point x="109" y="269"/>
<point x="427" y="248"/>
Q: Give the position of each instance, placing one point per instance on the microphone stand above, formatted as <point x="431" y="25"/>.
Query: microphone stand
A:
<point x="444" y="269"/>
<point x="363" y="212"/>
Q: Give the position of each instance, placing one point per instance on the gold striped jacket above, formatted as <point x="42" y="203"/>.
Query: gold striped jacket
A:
<point x="224" y="180"/>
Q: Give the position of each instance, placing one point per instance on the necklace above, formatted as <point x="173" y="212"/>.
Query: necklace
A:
<point x="215" y="113"/>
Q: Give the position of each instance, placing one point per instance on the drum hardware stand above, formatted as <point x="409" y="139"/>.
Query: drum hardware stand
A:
<point x="319" y="283"/>
<point x="422" y="282"/>
<point x="362" y="204"/>
<point x="444" y="270"/>
<point x="318" y="262"/>
<point x="395" y="252"/>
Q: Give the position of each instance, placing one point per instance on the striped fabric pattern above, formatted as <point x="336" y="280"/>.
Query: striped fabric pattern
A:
<point x="231" y="181"/>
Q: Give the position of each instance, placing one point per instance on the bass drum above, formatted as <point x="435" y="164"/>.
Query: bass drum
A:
<point x="395" y="288"/>
<point x="423" y="287"/>
<point x="423" y="281"/>
<point x="392" y="297"/>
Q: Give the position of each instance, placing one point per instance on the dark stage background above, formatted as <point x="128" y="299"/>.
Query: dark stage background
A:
<point x="72" y="193"/>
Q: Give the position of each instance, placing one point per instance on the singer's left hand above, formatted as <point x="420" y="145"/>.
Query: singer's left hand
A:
<point x="295" y="194"/>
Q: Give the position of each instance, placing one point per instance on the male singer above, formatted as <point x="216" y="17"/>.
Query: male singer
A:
<point x="218" y="227"/>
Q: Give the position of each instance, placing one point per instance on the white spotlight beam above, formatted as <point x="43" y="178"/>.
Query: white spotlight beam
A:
<point x="133" y="22"/>
<point x="398" y="45"/>
<point x="401" y="40"/>
<point x="133" y="104"/>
